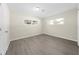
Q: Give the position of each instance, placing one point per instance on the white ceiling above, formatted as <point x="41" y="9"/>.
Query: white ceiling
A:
<point x="49" y="8"/>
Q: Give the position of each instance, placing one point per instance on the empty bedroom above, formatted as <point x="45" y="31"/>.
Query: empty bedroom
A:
<point x="39" y="29"/>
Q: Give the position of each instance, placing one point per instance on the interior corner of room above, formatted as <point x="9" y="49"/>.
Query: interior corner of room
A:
<point x="19" y="21"/>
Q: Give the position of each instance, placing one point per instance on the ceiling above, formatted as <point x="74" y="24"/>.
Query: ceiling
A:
<point x="45" y="9"/>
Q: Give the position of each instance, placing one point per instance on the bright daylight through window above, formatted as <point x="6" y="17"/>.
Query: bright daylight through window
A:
<point x="57" y="21"/>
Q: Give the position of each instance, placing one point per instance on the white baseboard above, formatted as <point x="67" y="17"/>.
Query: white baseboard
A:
<point x="61" y="37"/>
<point x="39" y="34"/>
<point x="42" y="33"/>
<point x="13" y="39"/>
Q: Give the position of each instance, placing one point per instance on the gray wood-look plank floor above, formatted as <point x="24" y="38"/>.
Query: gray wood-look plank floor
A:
<point x="42" y="45"/>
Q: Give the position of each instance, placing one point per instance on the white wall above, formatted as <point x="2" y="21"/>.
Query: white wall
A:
<point x="4" y="25"/>
<point x="68" y="30"/>
<point x="21" y="30"/>
<point x="78" y="26"/>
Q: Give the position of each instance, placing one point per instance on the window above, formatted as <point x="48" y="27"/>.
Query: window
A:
<point x="57" y="21"/>
<point x="60" y="21"/>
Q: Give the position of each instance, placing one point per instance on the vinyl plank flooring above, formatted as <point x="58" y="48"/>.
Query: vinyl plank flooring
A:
<point x="42" y="45"/>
